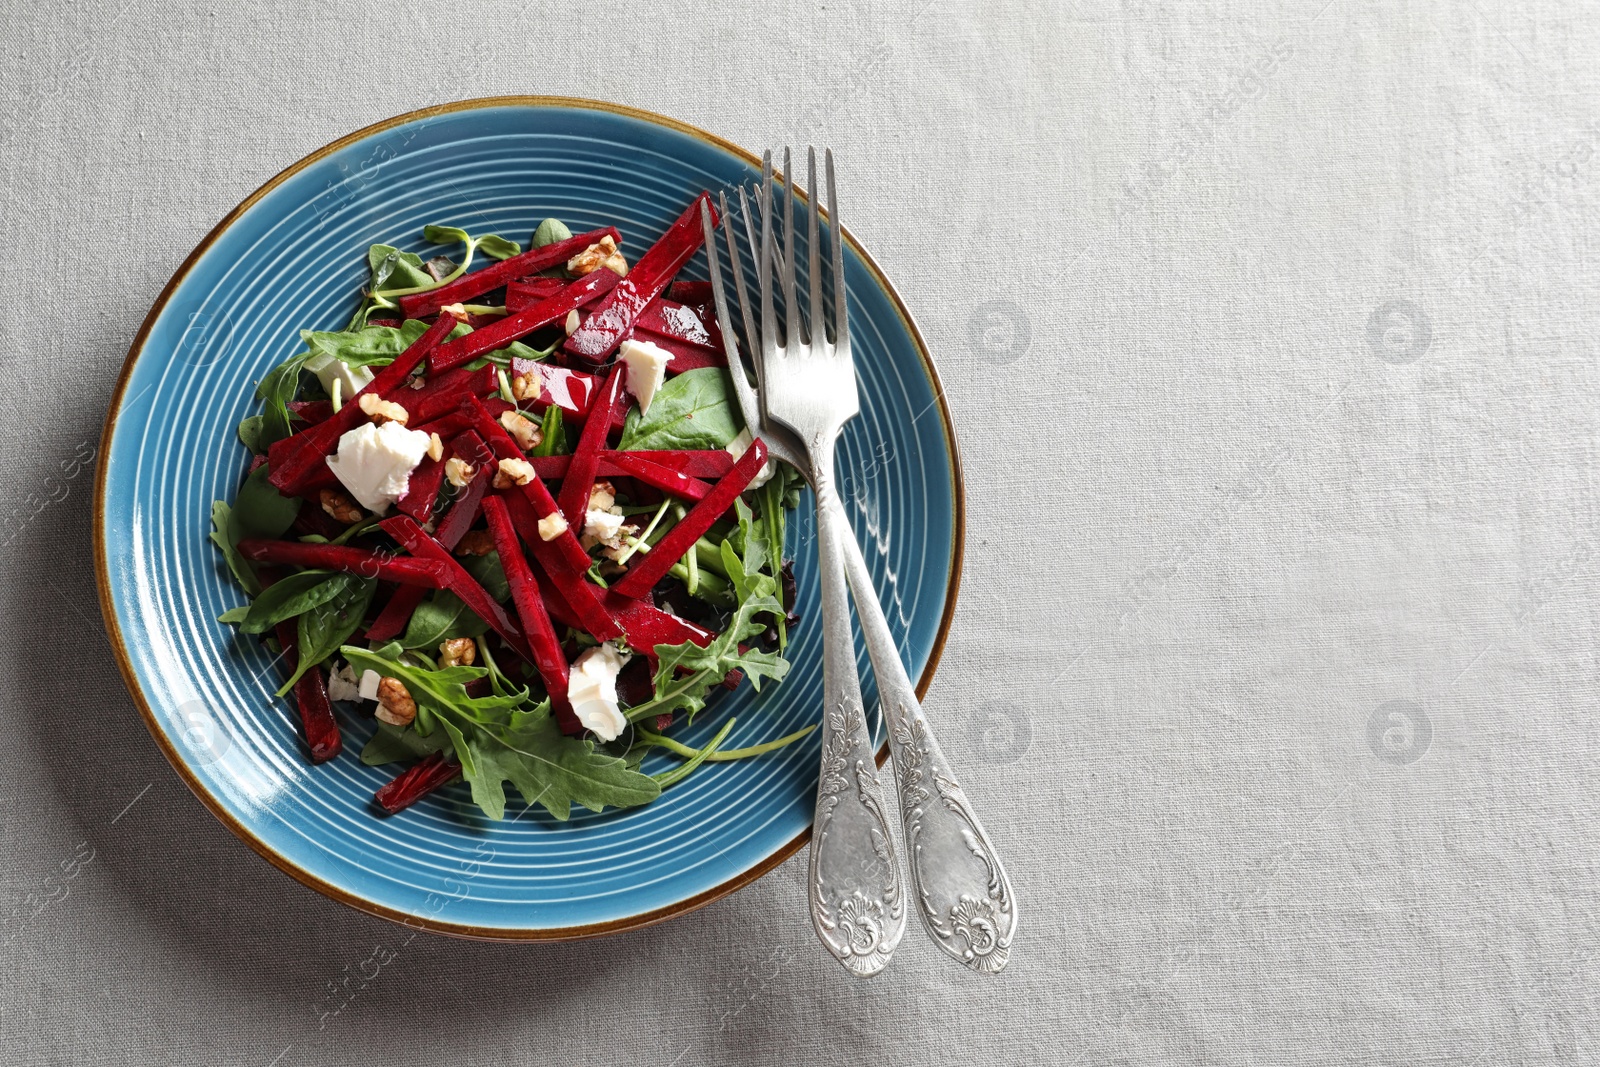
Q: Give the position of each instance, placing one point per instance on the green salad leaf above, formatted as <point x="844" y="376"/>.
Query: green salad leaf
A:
<point x="224" y="534"/>
<point x="290" y="597"/>
<point x="686" y="672"/>
<point x="496" y="247"/>
<point x="260" y="510"/>
<point x="275" y="392"/>
<point x="394" y="269"/>
<point x="320" y="631"/>
<point x="549" y="232"/>
<point x="691" y="411"/>
<point x="365" y="347"/>
<point x="438" y="618"/>
<point x="498" y="740"/>
<point x="390" y="743"/>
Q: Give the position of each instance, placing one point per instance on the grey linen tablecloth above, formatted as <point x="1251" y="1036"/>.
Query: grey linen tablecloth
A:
<point x="1269" y="330"/>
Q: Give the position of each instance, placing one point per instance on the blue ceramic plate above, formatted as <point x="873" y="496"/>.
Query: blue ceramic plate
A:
<point x="292" y="257"/>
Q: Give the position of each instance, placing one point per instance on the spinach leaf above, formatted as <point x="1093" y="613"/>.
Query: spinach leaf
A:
<point x="323" y="629"/>
<point x="691" y="411"/>
<point x="392" y="743"/>
<point x="499" y="739"/>
<point x="487" y="571"/>
<point x="224" y="535"/>
<point x="368" y="346"/>
<point x="251" y="429"/>
<point x="275" y="391"/>
<point x="394" y="269"/>
<point x="497" y="247"/>
<point x="289" y="597"/>
<point x="234" y="615"/>
<point x="549" y="232"/>
<point x="260" y="510"/>
<point x="441" y="616"/>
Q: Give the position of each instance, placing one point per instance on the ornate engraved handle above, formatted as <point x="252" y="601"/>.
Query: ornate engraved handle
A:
<point x="961" y="887"/>
<point x="857" y="900"/>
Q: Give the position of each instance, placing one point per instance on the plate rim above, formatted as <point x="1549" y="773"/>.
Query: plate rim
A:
<point x="341" y="894"/>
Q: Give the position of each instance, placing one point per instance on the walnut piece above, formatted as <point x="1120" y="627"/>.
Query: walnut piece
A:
<point x="475" y="543"/>
<point x="381" y="411"/>
<point x="458" y="652"/>
<point x="523" y="430"/>
<point x="513" y="472"/>
<point x="603" y="253"/>
<point x="340" y="506"/>
<point x="395" y="705"/>
<point x="458" y="472"/>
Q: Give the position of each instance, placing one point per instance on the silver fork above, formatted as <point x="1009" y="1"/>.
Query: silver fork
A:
<point x="961" y="888"/>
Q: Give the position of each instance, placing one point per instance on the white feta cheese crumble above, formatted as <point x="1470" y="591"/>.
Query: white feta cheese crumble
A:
<point x="329" y="370"/>
<point x="602" y="526"/>
<point x="736" y="448"/>
<point x="375" y="463"/>
<point x="342" y="684"/>
<point x="592" y="689"/>
<point x="367" y="688"/>
<point x="647" y="370"/>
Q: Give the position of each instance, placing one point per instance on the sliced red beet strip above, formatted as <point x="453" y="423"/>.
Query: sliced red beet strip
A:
<point x="422" y="488"/>
<point x="529" y="291"/>
<point x="396" y="614"/>
<point x="572" y="391"/>
<point x="360" y="561"/>
<point x="442" y="392"/>
<point x="317" y="724"/>
<point x="643" y="575"/>
<point x="690" y="292"/>
<point x="312" y="411"/>
<point x="464" y="288"/>
<point x="404" y="529"/>
<point x="590" y="287"/>
<point x="579" y="597"/>
<point x="567" y="553"/>
<point x="315" y="443"/>
<point x="447" y="426"/>
<point x="668" y="318"/>
<point x="575" y="488"/>
<point x="416" y="782"/>
<point x="633" y="464"/>
<point x="464" y="510"/>
<point x="611" y="321"/>
<point x="712" y="463"/>
<point x="685" y="356"/>
<point x="542" y="642"/>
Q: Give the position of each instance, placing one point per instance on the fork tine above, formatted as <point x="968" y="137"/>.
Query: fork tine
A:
<point x="791" y="301"/>
<point x="748" y="404"/>
<point x="816" y="332"/>
<point x="769" y="318"/>
<point x="841" y="308"/>
<point x="752" y="339"/>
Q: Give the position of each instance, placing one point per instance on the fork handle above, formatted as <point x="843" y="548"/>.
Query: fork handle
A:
<point x="960" y="885"/>
<point x="857" y="899"/>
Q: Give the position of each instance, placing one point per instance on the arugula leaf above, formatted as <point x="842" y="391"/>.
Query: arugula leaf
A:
<point x="691" y="411"/>
<point x="678" y="774"/>
<point x="497" y="247"/>
<point x="289" y="597"/>
<point x="391" y="743"/>
<point x="322" y="630"/>
<point x="498" y="741"/>
<point x="549" y="232"/>
<point x="702" y="668"/>
<point x="224" y="535"/>
<point x="260" y="510"/>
